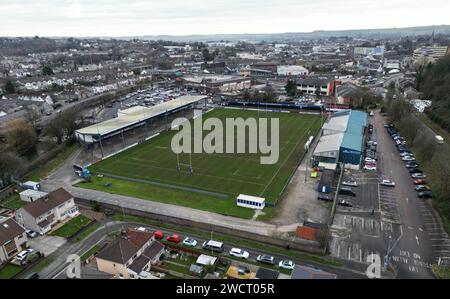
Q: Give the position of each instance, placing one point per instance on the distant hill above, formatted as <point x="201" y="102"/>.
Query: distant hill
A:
<point x="360" y="33"/>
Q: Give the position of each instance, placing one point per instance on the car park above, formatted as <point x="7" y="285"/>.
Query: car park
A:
<point x="422" y="188"/>
<point x="286" y="264"/>
<point x="190" y="242"/>
<point x="387" y="183"/>
<point x="22" y="256"/>
<point x="425" y="194"/>
<point x="237" y="252"/>
<point x="173" y="238"/>
<point x="418" y="176"/>
<point x="266" y="259"/>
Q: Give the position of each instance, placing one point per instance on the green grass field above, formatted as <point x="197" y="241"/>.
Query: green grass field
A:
<point x="153" y="164"/>
<point x="72" y="227"/>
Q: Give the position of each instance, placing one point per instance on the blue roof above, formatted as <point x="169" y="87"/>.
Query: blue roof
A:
<point x="358" y="118"/>
<point x="352" y="141"/>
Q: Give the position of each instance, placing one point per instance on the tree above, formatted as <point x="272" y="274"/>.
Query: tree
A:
<point x="291" y="88"/>
<point x="269" y="94"/>
<point x="323" y="237"/>
<point x="64" y="124"/>
<point x="32" y="116"/>
<point x="318" y="92"/>
<point x="47" y="71"/>
<point x="11" y="166"/>
<point x="9" y="87"/>
<point x="21" y="138"/>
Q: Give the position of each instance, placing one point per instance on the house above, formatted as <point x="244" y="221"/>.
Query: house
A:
<point x="42" y="214"/>
<point x="131" y="255"/>
<point x="13" y="239"/>
<point x="349" y="94"/>
<point x="304" y="272"/>
<point x="30" y="195"/>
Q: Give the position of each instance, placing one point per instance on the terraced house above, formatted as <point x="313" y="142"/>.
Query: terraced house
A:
<point x="41" y="215"/>
<point x="13" y="240"/>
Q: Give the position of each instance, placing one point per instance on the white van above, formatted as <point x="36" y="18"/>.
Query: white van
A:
<point x="213" y="245"/>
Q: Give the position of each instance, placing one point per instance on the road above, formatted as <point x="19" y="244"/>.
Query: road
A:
<point x="409" y="249"/>
<point x="58" y="268"/>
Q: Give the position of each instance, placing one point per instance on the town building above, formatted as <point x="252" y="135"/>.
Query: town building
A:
<point x="131" y="255"/>
<point x="43" y="214"/>
<point x="13" y="240"/>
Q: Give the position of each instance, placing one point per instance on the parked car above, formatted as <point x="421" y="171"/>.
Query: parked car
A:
<point x="286" y="264"/>
<point x="370" y="160"/>
<point x="325" y="197"/>
<point x="412" y="165"/>
<point x="345" y="203"/>
<point x="350" y="183"/>
<point x="418" y="176"/>
<point x="31" y="234"/>
<point x="409" y="158"/>
<point x="347" y="191"/>
<point x="405" y="154"/>
<point x="22" y="256"/>
<point x="190" y="242"/>
<point x="425" y="194"/>
<point x="420" y="182"/>
<point x="32" y="275"/>
<point x="387" y="183"/>
<point x="370" y="168"/>
<point x="415" y="170"/>
<point x="159" y="235"/>
<point x="422" y="188"/>
<point x="237" y="252"/>
<point x="266" y="259"/>
<point x="174" y="239"/>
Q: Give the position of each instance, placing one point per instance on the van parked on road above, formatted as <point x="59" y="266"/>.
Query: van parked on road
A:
<point x="213" y="246"/>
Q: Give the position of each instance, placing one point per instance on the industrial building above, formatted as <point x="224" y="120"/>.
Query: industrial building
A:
<point x="342" y="140"/>
<point x="136" y="118"/>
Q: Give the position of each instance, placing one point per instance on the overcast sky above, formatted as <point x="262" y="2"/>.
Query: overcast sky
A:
<point x="184" y="17"/>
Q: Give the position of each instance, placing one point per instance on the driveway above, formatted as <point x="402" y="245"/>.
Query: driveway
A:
<point x="46" y="244"/>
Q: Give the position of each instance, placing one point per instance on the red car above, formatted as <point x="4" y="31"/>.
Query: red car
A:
<point x="158" y="235"/>
<point x="420" y="182"/>
<point x="174" y="239"/>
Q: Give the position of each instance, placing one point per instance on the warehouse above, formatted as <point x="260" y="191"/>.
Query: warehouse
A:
<point x="134" y="119"/>
<point x="342" y="140"/>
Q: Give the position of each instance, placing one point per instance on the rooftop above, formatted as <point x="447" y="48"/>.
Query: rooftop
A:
<point x="47" y="203"/>
<point x="135" y="117"/>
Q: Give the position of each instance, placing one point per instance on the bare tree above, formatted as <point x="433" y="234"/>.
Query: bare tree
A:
<point x="21" y="138"/>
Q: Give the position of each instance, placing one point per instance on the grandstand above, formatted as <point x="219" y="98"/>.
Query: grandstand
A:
<point x="116" y="126"/>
